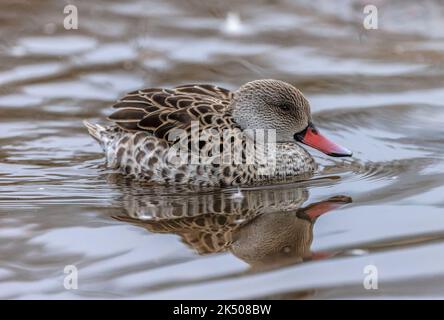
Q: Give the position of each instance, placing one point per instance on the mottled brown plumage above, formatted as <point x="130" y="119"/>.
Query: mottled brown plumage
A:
<point x="158" y="111"/>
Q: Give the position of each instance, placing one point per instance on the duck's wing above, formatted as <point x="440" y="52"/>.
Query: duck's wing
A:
<point x="159" y="111"/>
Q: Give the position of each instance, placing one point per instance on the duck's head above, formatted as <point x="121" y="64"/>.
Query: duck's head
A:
<point x="276" y="105"/>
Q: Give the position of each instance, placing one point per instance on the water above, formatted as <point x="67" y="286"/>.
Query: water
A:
<point x="377" y="92"/>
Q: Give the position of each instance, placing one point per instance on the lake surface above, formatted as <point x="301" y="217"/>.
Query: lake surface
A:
<point x="377" y="92"/>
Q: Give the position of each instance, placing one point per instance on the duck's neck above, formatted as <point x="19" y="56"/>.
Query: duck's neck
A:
<point x="238" y="116"/>
<point x="283" y="160"/>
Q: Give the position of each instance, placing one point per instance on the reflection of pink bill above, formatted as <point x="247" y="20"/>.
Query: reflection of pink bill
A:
<point x="316" y="210"/>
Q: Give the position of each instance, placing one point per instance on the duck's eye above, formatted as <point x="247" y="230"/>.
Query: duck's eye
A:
<point x="285" y="107"/>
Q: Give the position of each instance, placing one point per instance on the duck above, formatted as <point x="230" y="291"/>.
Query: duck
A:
<point x="206" y="135"/>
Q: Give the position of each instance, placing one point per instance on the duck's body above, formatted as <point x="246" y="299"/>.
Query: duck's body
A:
<point x="143" y="141"/>
<point x="146" y="157"/>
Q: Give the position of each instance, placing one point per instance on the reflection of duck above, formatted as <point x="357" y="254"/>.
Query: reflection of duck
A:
<point x="148" y="123"/>
<point x="264" y="228"/>
<point x="280" y="238"/>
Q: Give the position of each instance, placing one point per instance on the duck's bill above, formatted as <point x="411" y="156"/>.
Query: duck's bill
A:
<point x="311" y="137"/>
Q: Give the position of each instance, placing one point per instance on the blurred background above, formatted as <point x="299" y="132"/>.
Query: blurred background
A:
<point x="378" y="92"/>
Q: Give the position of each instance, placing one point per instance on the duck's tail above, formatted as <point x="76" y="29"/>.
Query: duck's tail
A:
<point x="104" y="135"/>
<point x="96" y="131"/>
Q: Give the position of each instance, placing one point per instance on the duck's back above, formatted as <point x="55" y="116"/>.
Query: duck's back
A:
<point x="158" y="111"/>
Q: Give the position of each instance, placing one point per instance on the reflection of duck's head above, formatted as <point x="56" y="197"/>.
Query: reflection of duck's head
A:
<point x="265" y="227"/>
<point x="273" y="238"/>
<point x="281" y="237"/>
